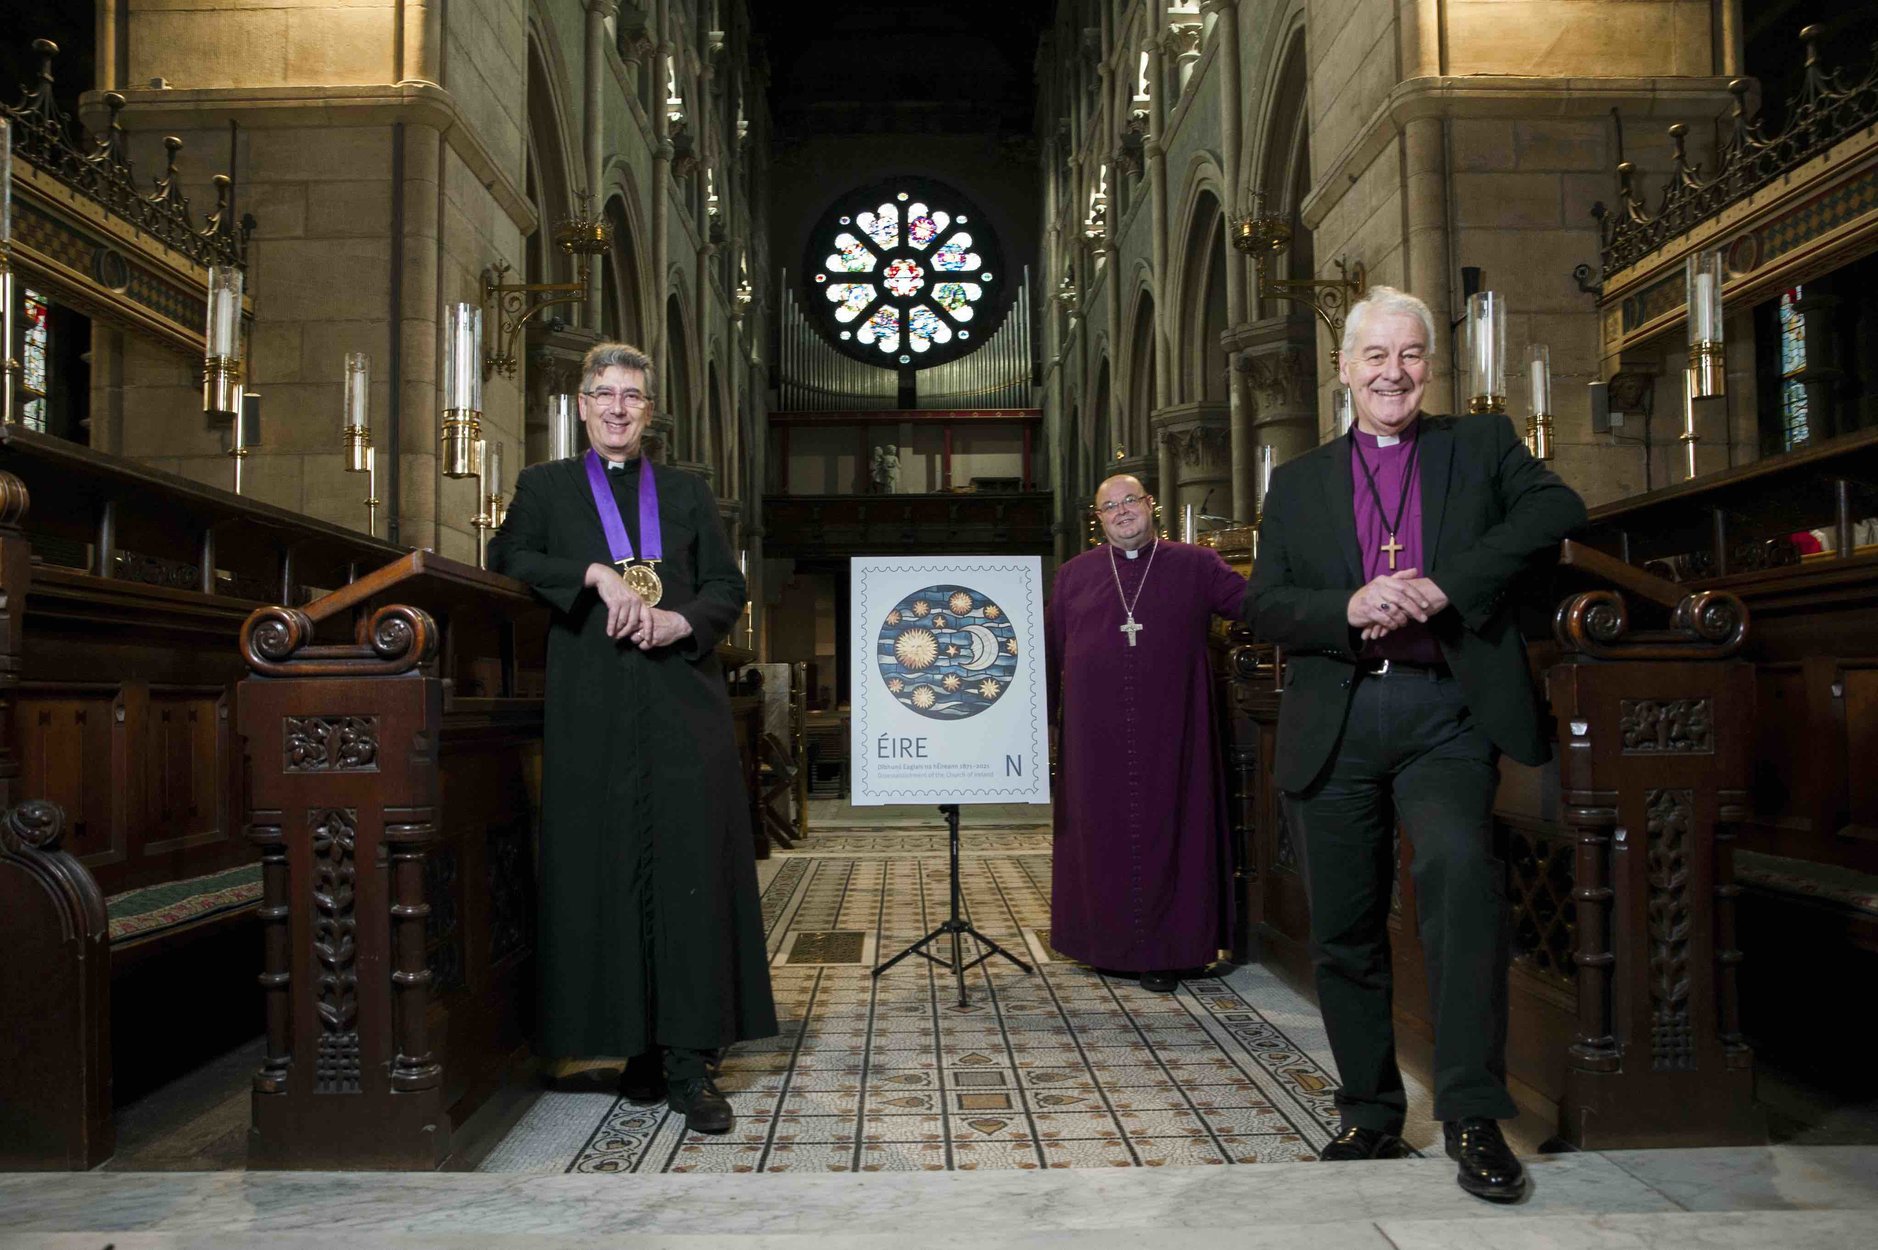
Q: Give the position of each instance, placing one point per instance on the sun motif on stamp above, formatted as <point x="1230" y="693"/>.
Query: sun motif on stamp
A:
<point x="947" y="652"/>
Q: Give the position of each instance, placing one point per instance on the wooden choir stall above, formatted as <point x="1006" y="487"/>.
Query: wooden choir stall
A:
<point x="262" y="775"/>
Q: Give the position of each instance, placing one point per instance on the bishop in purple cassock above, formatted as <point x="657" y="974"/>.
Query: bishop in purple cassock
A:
<point x="1142" y="868"/>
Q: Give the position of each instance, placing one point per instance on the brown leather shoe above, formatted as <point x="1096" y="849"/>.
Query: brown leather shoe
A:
<point x="1355" y="1143"/>
<point x="1489" y="1169"/>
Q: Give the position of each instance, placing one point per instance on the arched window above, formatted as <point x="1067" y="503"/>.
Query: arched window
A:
<point x="905" y="274"/>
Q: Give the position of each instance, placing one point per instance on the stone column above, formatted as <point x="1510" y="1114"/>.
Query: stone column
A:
<point x="593" y="125"/>
<point x="1275" y="370"/>
<point x="661" y="191"/>
<point x="1225" y="30"/>
<point x="1156" y="152"/>
<point x="1426" y="244"/>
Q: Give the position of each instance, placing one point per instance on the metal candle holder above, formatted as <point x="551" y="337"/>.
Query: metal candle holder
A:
<point x="1263" y="236"/>
<point x="462" y="388"/>
<point x="1707" y="374"/>
<point x="222" y="361"/>
<point x="1539" y="405"/>
<point x="487" y="460"/>
<point x="356" y="433"/>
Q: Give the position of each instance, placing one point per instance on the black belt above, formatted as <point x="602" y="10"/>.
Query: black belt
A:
<point x="1403" y="668"/>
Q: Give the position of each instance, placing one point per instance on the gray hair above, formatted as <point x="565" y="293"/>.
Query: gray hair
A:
<point x="1386" y="301"/>
<point x="603" y="356"/>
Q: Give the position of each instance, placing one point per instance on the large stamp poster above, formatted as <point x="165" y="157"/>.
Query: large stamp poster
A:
<point x="948" y="680"/>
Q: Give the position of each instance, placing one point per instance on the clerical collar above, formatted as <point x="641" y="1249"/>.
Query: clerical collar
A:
<point x="618" y="467"/>
<point x="1374" y="441"/>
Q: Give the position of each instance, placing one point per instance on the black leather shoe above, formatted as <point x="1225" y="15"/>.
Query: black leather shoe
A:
<point x="1363" y="1143"/>
<point x="643" y="1080"/>
<point x="1160" y="982"/>
<point x="705" y="1110"/>
<point x="1489" y="1168"/>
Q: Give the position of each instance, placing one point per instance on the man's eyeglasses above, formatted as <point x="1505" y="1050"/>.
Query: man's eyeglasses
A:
<point x="606" y="397"/>
<point x="1126" y="501"/>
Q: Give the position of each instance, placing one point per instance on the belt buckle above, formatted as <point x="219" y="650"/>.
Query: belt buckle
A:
<point x="1382" y="669"/>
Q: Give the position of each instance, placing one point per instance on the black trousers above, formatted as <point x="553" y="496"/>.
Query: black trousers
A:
<point x="1410" y="752"/>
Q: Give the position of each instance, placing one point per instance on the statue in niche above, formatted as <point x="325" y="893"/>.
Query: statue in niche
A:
<point x="886" y="469"/>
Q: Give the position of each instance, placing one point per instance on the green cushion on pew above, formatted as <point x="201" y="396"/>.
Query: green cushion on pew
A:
<point x="1828" y="883"/>
<point x="138" y="913"/>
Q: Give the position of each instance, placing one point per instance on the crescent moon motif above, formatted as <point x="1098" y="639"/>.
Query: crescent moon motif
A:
<point x="984" y="649"/>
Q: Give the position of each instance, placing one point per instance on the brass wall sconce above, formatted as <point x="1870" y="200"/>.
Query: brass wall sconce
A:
<point x="512" y="305"/>
<point x="1707" y="375"/>
<point x="11" y="370"/>
<point x="1262" y="236"/>
<point x="222" y="397"/>
<point x="356" y="432"/>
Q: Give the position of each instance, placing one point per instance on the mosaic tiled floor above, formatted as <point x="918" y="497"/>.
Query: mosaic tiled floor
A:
<point x="1059" y="1069"/>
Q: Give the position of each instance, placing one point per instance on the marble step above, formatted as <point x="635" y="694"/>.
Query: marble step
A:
<point x="1754" y="1230"/>
<point x="1774" y="1196"/>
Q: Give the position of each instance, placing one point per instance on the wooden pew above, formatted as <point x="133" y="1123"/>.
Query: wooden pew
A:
<point x="1625" y="1011"/>
<point x="128" y="898"/>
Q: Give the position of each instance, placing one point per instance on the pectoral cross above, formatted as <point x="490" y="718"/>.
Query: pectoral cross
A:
<point x="1392" y="546"/>
<point x="1131" y="628"/>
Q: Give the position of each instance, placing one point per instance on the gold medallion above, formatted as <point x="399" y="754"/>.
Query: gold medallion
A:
<point x="643" y="580"/>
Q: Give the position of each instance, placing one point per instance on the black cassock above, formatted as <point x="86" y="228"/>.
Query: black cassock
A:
<point x="650" y="925"/>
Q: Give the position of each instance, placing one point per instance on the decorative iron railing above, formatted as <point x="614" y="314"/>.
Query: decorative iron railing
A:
<point x="1826" y="111"/>
<point x="96" y="167"/>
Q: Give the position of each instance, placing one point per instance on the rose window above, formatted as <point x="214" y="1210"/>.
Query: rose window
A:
<point x="905" y="274"/>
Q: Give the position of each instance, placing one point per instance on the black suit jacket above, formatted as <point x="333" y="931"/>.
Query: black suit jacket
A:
<point x="1491" y="515"/>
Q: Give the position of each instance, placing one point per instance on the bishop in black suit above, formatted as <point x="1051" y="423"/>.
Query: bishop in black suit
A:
<point x="1388" y="567"/>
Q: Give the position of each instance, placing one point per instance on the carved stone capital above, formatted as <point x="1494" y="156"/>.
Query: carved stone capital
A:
<point x="1278" y="379"/>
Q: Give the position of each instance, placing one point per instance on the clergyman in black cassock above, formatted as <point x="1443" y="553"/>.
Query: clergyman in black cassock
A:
<point x="651" y="930"/>
<point x="1405" y="683"/>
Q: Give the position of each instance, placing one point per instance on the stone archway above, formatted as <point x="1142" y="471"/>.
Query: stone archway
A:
<point x="1193" y="436"/>
<point x="1276" y="353"/>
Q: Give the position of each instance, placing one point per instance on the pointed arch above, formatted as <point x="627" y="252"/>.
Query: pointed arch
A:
<point x="549" y="156"/>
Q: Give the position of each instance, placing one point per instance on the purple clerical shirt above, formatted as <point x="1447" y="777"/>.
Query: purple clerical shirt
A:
<point x="1388" y="462"/>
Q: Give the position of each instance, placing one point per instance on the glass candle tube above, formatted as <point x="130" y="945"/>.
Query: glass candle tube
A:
<point x="1486" y="352"/>
<point x="358" y="392"/>
<point x="463" y="358"/>
<point x="1268" y="460"/>
<point x="563" y="426"/>
<point x="492" y="469"/>
<point x="1703" y="278"/>
<point x="223" y="333"/>
<point x="1539" y="379"/>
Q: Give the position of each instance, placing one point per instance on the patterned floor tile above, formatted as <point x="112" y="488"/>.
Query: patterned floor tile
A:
<point x="1061" y="1067"/>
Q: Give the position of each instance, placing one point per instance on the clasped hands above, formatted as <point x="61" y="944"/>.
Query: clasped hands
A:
<point x="630" y="618"/>
<point x="1393" y="600"/>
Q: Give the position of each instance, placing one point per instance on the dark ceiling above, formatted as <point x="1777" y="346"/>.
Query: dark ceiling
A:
<point x="902" y="66"/>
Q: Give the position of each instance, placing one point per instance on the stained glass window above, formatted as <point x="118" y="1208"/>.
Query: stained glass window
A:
<point x="931" y="270"/>
<point x="1793" y="414"/>
<point x="35" y="339"/>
